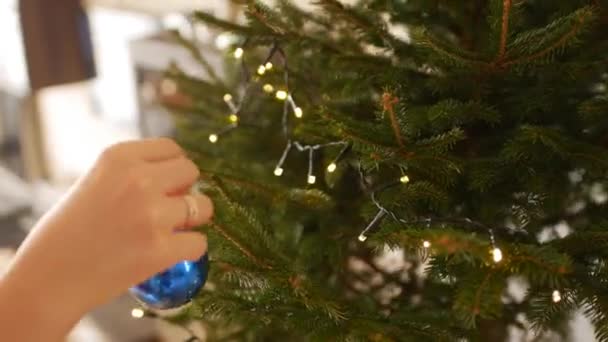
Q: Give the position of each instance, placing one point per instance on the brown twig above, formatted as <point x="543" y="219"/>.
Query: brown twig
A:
<point x="504" y="33"/>
<point x="388" y="105"/>
<point x="477" y="301"/>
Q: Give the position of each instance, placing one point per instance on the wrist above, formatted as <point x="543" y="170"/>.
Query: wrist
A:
<point x="30" y="312"/>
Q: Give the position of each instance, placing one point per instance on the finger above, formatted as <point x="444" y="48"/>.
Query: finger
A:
<point x="174" y="176"/>
<point x="187" y="246"/>
<point x="151" y="150"/>
<point x="176" y="212"/>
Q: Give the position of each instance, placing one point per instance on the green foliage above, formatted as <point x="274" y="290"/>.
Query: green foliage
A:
<point x="543" y="45"/>
<point x="496" y="112"/>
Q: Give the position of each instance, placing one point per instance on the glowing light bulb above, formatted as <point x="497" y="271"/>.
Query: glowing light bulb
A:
<point x="233" y="118"/>
<point x="227" y="98"/>
<point x="281" y="95"/>
<point x="497" y="255"/>
<point x="404" y="179"/>
<point x="331" y="168"/>
<point x="168" y="87"/>
<point x="268" y="66"/>
<point x="224" y="40"/>
<point x="312" y="179"/>
<point x="213" y="138"/>
<point x="268" y="88"/>
<point x="137" y="313"/>
<point x="362" y="238"/>
<point x="556" y="296"/>
<point x="298" y="112"/>
<point x="278" y="171"/>
<point x="238" y="53"/>
<point x="261" y="70"/>
<point x="426" y="244"/>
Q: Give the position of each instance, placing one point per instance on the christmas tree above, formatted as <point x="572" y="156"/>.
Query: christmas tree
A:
<point x="391" y="170"/>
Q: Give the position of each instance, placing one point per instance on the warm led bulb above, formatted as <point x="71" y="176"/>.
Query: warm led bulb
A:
<point x="278" y="172"/>
<point x="261" y="70"/>
<point x="233" y="118"/>
<point x="312" y="179"/>
<point x="227" y="98"/>
<point x="497" y="255"/>
<point x="298" y="112"/>
<point x="137" y="313"/>
<point x="331" y="168"/>
<point x="281" y="95"/>
<point x="168" y="87"/>
<point x="426" y="244"/>
<point x="268" y="88"/>
<point x="556" y="296"/>
<point x="268" y="66"/>
<point x="213" y="138"/>
<point x="238" y="53"/>
<point x="362" y="238"/>
<point x="404" y="179"/>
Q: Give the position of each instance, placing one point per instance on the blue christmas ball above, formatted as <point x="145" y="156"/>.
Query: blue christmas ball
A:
<point x="174" y="287"/>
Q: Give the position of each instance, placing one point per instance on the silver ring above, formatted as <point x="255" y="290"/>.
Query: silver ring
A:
<point x="192" y="207"/>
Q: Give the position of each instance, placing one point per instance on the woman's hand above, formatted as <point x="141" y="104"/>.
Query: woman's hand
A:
<point x="113" y="230"/>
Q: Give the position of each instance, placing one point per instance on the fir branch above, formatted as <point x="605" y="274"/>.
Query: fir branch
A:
<point x="195" y="52"/>
<point x="582" y="17"/>
<point x="360" y="21"/>
<point x="256" y="187"/>
<point x="223" y="24"/>
<point x="477" y="301"/>
<point x="349" y="134"/>
<point x="542" y="264"/>
<point x="222" y="231"/>
<point x="449" y="54"/>
<point x="304" y="198"/>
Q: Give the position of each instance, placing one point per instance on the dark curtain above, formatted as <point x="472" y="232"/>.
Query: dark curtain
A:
<point x="57" y="40"/>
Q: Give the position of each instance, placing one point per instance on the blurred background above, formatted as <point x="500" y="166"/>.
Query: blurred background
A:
<point x="75" y="77"/>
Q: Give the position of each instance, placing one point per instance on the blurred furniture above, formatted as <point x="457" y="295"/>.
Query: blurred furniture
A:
<point x="57" y="42"/>
<point x="152" y="87"/>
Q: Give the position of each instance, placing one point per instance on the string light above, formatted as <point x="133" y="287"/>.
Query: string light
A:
<point x="168" y="87"/>
<point x="137" y="313"/>
<point x="298" y="112"/>
<point x="278" y="171"/>
<point x="261" y="70"/>
<point x="281" y="95"/>
<point x="331" y="168"/>
<point x="373" y="225"/>
<point x="497" y="255"/>
<point x="311" y="157"/>
<point x="556" y="296"/>
<point x="268" y="88"/>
